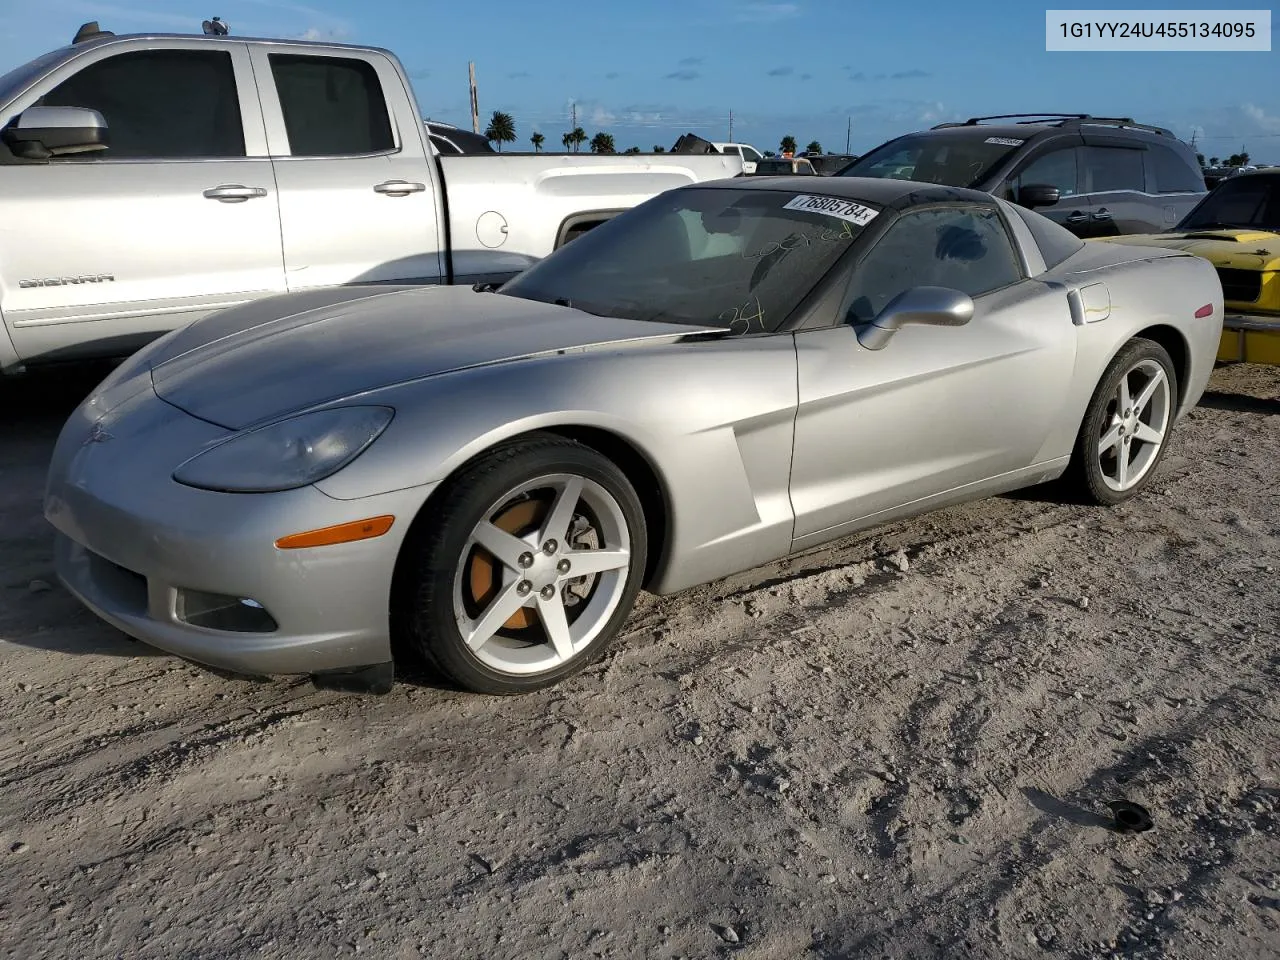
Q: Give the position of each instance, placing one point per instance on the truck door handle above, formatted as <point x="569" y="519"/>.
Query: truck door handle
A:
<point x="234" y="192"/>
<point x="1076" y="217"/>
<point x="399" y="188"/>
<point x="1102" y="214"/>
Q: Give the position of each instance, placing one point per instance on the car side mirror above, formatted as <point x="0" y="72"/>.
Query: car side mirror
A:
<point x="39" y="133"/>
<point x="1038" y="195"/>
<point x="934" y="306"/>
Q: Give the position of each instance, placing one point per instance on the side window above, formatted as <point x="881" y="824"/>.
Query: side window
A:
<point x="1169" y="173"/>
<point x="332" y="106"/>
<point x="732" y="152"/>
<point x="964" y="248"/>
<point x="160" y="104"/>
<point x="1055" y="169"/>
<point x="749" y="154"/>
<point x="1114" y="168"/>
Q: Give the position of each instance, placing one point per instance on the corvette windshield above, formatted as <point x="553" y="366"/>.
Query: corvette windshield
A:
<point x="1252" y="202"/>
<point x="956" y="160"/>
<point x="739" y="259"/>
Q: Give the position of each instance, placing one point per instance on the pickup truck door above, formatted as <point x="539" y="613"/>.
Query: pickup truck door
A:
<point x="100" y="252"/>
<point x="359" y="200"/>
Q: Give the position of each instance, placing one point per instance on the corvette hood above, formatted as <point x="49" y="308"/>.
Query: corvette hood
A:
<point x="1236" y="248"/>
<point x="241" y="367"/>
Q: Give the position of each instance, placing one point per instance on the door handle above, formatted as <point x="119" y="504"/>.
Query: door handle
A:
<point x="1076" y="217"/>
<point x="234" y="193"/>
<point x="399" y="188"/>
<point x="1102" y="214"/>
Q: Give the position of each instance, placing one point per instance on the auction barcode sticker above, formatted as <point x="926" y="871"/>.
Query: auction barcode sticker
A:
<point x="855" y="213"/>
<point x="1005" y="141"/>
<point x="1158" y="30"/>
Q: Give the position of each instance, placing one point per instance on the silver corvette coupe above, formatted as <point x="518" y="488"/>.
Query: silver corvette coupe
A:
<point x="729" y="373"/>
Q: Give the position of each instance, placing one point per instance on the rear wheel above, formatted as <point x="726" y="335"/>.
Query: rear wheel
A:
<point x="1126" y="427"/>
<point x="529" y="570"/>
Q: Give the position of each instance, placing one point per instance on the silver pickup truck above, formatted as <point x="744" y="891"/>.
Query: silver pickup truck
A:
<point x="148" y="180"/>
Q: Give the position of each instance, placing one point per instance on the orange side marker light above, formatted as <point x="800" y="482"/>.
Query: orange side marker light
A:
<point x="340" y="533"/>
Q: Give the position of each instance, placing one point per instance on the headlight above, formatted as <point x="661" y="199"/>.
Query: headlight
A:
<point x="288" y="453"/>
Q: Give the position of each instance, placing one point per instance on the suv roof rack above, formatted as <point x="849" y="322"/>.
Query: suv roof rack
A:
<point x="1062" y="120"/>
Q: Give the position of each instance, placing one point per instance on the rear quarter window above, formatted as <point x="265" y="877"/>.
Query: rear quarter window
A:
<point x="1169" y="173"/>
<point x="1056" y="243"/>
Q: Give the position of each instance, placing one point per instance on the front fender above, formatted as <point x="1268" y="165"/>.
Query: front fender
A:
<point x="713" y="419"/>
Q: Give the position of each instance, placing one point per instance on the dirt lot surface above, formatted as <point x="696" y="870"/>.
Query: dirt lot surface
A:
<point x="903" y="745"/>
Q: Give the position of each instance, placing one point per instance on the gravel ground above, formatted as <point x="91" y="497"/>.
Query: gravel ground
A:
<point x="902" y="745"/>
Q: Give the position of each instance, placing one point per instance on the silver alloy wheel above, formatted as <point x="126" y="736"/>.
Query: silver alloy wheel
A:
<point x="1136" y="425"/>
<point x="555" y="583"/>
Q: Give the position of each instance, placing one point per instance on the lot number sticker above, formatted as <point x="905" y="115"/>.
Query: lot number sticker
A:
<point x="1005" y="141"/>
<point x="855" y="213"/>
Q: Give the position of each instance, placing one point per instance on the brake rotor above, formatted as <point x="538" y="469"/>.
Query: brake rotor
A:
<point x="483" y="576"/>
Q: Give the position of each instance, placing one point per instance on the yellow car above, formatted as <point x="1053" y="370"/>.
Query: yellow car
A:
<point x="1236" y="227"/>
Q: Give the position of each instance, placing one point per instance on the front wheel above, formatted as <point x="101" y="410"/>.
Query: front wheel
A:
<point x="1126" y="427"/>
<point x="530" y="566"/>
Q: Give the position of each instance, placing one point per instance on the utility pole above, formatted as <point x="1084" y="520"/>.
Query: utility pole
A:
<point x="475" y="98"/>
<point x="731" y="126"/>
<point x="848" y="134"/>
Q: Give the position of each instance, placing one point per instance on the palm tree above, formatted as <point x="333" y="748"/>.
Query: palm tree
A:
<point x="788" y="144"/>
<point x="603" y="143"/>
<point x="813" y="147"/>
<point x="502" y="129"/>
<point x="632" y="150"/>
<point x="537" y="140"/>
<point x="577" y="137"/>
<point x="567" y="140"/>
<point x="1214" y="161"/>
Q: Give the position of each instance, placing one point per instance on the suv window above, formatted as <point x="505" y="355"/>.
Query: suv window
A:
<point x="1114" y="168"/>
<point x="750" y="154"/>
<point x="1169" y="173"/>
<point x="332" y="106"/>
<point x="964" y="248"/>
<point x="957" y="159"/>
<point x="1056" y="169"/>
<point x="732" y="152"/>
<point x="160" y="104"/>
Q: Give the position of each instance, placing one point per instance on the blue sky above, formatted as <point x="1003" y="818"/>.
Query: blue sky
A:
<point x="651" y="70"/>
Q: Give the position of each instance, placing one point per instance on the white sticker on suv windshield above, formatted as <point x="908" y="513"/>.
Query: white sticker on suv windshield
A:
<point x="833" y="207"/>
<point x="1005" y="141"/>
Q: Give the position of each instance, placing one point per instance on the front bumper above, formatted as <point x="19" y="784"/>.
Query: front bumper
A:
<point x="1250" y="338"/>
<point x="156" y="558"/>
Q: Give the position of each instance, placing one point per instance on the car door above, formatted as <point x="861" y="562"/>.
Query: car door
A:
<point x="1116" y="186"/>
<point x="178" y="217"/>
<point x="358" y="196"/>
<point x="1056" y="165"/>
<point x="936" y="408"/>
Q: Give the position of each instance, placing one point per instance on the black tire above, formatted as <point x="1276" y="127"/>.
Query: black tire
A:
<point x="1084" y="480"/>
<point x="422" y="601"/>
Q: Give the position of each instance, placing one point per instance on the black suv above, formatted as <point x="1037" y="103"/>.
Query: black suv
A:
<point x="1097" y="176"/>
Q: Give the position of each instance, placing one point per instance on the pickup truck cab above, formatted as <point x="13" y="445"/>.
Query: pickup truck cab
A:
<point x="151" y="179"/>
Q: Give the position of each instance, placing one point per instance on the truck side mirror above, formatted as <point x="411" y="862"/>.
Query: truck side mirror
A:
<point x="39" y="133"/>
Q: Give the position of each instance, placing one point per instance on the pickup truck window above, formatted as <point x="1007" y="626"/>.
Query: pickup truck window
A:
<point x="332" y="106"/>
<point x="160" y="104"/>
